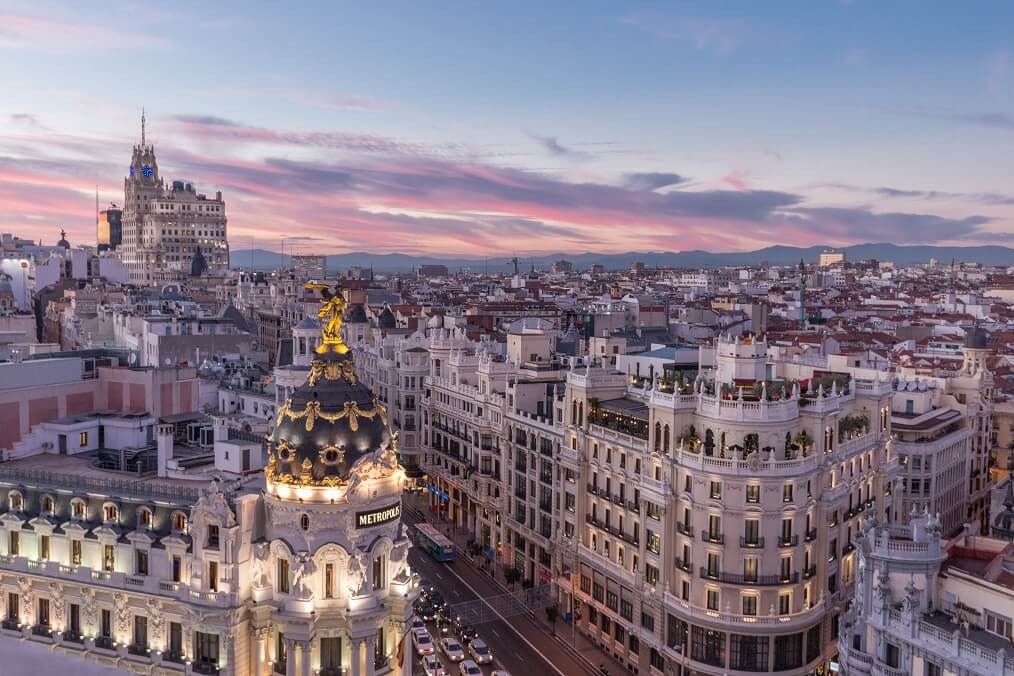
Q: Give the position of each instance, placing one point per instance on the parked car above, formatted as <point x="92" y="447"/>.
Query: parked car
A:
<point x="499" y="672"/>
<point x="454" y="650"/>
<point x="480" y="651"/>
<point x="423" y="642"/>
<point x="432" y="666"/>
<point x="428" y="613"/>
<point x="469" y="668"/>
<point x="418" y="623"/>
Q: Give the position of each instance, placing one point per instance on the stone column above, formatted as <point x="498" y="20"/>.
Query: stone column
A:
<point x="290" y="657"/>
<point x="259" y="658"/>
<point x="306" y="656"/>
<point x="356" y="659"/>
<point x="371" y="651"/>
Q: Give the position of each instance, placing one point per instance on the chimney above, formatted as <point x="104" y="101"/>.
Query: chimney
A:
<point x="165" y="447"/>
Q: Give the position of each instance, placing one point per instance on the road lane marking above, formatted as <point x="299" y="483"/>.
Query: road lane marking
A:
<point x="512" y="627"/>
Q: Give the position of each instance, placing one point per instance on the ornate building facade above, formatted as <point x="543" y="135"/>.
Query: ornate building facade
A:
<point x="300" y="571"/>
<point x="170" y="231"/>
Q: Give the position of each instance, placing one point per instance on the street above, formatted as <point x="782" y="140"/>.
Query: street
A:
<point x="519" y="644"/>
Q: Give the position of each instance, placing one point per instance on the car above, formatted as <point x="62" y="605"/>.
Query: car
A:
<point x="454" y="651"/>
<point x="428" y="613"/>
<point x="417" y="623"/>
<point x="444" y="616"/>
<point x="480" y="651"/>
<point x="432" y="666"/>
<point x="435" y="598"/>
<point x="424" y="585"/>
<point x="469" y="668"/>
<point x="467" y="633"/>
<point x="423" y="642"/>
<point x="499" y="672"/>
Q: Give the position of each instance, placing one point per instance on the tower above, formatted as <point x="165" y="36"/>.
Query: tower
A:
<point x="802" y="295"/>
<point x="333" y="526"/>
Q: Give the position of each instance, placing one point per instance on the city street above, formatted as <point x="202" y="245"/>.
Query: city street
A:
<point x="519" y="644"/>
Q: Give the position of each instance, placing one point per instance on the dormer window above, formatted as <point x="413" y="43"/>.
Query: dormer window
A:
<point x="144" y="517"/>
<point x="212" y="535"/>
<point x="110" y="513"/>
<point x="16" y="501"/>
<point x="47" y="505"/>
<point x="77" y="508"/>
<point x="180" y="522"/>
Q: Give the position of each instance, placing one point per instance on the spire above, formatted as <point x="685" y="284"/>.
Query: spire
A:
<point x="142" y="127"/>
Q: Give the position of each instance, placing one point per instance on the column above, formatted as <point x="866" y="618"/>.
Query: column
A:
<point x="259" y="657"/>
<point x="290" y="657"/>
<point x="371" y="651"/>
<point x="305" y="657"/>
<point x="356" y="659"/>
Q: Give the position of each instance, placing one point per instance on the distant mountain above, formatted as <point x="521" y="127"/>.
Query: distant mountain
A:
<point x="262" y="259"/>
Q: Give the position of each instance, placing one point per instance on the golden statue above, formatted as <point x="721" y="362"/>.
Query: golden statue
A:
<point x="331" y="314"/>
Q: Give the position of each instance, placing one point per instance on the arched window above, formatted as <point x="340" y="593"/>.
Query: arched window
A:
<point x="304" y="522"/>
<point x="580" y="414"/>
<point x="665" y="439"/>
<point x="658" y="436"/>
<point x="77" y="508"/>
<point x="180" y="522"/>
<point x="829" y="439"/>
<point x="144" y="517"/>
<point x="47" y="504"/>
<point x="709" y="443"/>
<point x="573" y="412"/>
<point x="110" y="512"/>
<point x="16" y="500"/>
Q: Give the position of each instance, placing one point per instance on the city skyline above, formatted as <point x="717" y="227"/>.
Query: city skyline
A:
<point x="492" y="132"/>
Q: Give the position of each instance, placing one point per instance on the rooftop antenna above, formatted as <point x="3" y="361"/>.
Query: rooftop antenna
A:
<point x="142" y="126"/>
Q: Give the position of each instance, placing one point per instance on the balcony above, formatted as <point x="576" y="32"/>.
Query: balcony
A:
<point x="11" y="624"/>
<point x="684" y="565"/>
<point x="716" y="538"/>
<point x="811" y="535"/>
<point x="685" y="529"/>
<point x="593" y="489"/>
<point x="790" y="541"/>
<point x="546" y="478"/>
<point x="141" y="650"/>
<point x="42" y="630"/>
<point x="809" y="572"/>
<point x="742" y="579"/>
<point x="751" y="543"/>
<point x="634" y="506"/>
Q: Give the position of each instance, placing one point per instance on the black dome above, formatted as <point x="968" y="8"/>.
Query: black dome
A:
<point x="356" y="315"/>
<point x="326" y="425"/>
<point x="386" y="319"/>
<point x="198" y="265"/>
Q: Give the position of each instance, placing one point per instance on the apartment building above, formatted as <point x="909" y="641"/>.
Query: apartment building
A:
<point x="714" y="518"/>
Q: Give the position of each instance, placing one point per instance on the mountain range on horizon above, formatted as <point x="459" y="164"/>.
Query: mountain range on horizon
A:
<point x="263" y="259"/>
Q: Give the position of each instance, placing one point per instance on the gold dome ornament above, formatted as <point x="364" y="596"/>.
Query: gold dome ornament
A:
<point x="331" y="313"/>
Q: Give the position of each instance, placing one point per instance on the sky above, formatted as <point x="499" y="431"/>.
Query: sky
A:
<point x="520" y="127"/>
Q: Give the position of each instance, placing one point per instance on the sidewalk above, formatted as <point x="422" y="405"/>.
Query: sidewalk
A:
<point x="574" y="641"/>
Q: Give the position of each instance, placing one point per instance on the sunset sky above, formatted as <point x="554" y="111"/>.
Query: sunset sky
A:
<point x="490" y="128"/>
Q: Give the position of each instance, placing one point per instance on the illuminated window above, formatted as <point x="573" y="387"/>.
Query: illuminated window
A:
<point x="110" y="513"/>
<point x="83" y="438"/>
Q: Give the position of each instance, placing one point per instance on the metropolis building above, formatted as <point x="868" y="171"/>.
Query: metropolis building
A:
<point x="300" y="570"/>
<point x="168" y="231"/>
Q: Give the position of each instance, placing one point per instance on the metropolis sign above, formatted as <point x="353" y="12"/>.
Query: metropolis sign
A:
<point x="378" y="516"/>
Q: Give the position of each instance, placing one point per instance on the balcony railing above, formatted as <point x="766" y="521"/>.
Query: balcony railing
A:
<point x="751" y="543"/>
<point x="811" y="535"/>
<point x="708" y="536"/>
<point x="809" y="572"/>
<point x="685" y="529"/>
<point x="740" y="578"/>
<point x="634" y="506"/>
<point x="684" y="565"/>
<point x="790" y="541"/>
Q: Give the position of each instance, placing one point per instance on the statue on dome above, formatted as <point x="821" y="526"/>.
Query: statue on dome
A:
<point x="331" y="314"/>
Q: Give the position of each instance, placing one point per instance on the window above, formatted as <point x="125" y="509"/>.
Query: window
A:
<point x="304" y="522"/>
<point x="712" y="595"/>
<point x="998" y="624"/>
<point x="707" y="646"/>
<point x="786" y="568"/>
<point x="784" y="603"/>
<point x="749" y="605"/>
<point x="109" y="512"/>
<point x="77" y="509"/>
<point x="12" y="606"/>
<point x="713" y="564"/>
<point x="44" y="547"/>
<point x="685" y="590"/>
<point x="751" y="532"/>
<point x="788" y="652"/>
<point x="748" y="653"/>
<point x="635" y="645"/>
<point x="654" y="541"/>
<point x="716" y="490"/>
<point x="283" y="576"/>
<point x="715" y="528"/>
<point x="108" y="558"/>
<point x="14" y="543"/>
<point x="626" y="610"/>
<point x="378" y="573"/>
<point x="212" y="536"/>
<point x="106" y="623"/>
<point x="787" y="493"/>
<point x="140" y="632"/>
<point x="83" y="439"/>
<point x="657" y="660"/>
<point x="206" y="649"/>
<point x="329" y="580"/>
<point x="331" y="653"/>
<point x="933" y="669"/>
<point x="612" y="601"/>
<point x="648" y="621"/>
<point x="74" y="622"/>
<point x="75" y="552"/>
<point x="750" y="569"/>
<point x="43" y="619"/>
<point x="177" y="569"/>
<point x="140" y="562"/>
<point x="16" y="501"/>
<point x="180" y="522"/>
<point x="47" y="504"/>
<point x="753" y="494"/>
<point x="650" y="574"/>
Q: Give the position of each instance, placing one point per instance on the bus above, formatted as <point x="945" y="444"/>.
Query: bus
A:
<point x="435" y="543"/>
